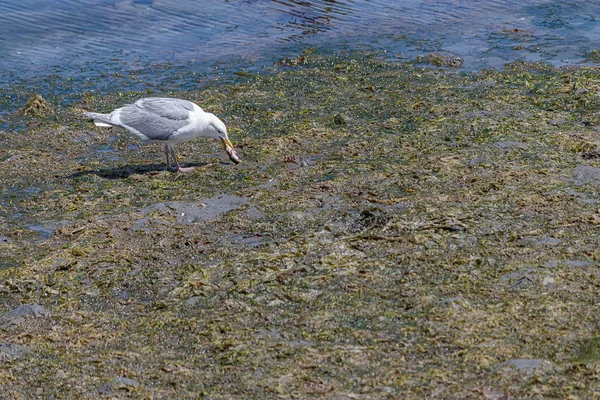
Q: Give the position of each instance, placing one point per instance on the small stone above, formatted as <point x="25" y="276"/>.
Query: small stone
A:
<point x="11" y="351"/>
<point x="120" y="383"/>
<point x="555" y="122"/>
<point x="539" y="241"/>
<point x="525" y="365"/>
<point x="28" y="310"/>
<point x="586" y="174"/>
<point x="567" y="263"/>
<point x="548" y="280"/>
<point x="444" y="60"/>
<point x="192" y="301"/>
<point x="5" y="239"/>
<point x="36" y="107"/>
<point x="339" y="120"/>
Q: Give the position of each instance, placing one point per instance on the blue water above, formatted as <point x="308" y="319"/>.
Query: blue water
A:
<point x="71" y="46"/>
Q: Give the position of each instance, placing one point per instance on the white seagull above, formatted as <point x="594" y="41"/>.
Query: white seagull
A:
<point x="168" y="121"/>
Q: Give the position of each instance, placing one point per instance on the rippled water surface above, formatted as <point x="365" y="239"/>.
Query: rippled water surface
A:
<point x="86" y="40"/>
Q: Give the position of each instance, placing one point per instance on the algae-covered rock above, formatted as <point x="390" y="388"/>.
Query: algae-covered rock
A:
<point x="36" y="106"/>
<point x="444" y="60"/>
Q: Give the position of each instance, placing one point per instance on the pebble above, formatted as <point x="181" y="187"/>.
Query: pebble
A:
<point x="28" y="310"/>
<point x="586" y="174"/>
<point x="525" y="365"/>
<point x="11" y="351"/>
<point x="117" y="384"/>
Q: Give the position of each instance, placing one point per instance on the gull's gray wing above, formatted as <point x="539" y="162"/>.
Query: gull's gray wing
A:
<point x="156" y="118"/>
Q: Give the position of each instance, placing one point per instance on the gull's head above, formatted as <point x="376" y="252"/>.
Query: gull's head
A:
<point x="218" y="130"/>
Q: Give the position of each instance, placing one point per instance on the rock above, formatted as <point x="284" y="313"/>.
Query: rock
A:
<point x="117" y="384"/>
<point x="254" y="214"/>
<point x="392" y="123"/>
<point x="548" y="280"/>
<point x="339" y="120"/>
<point x="456" y="303"/>
<point x="525" y="365"/>
<point x="556" y="122"/>
<point x="205" y="210"/>
<point x="35" y="107"/>
<point x="494" y="394"/>
<point x="444" y="60"/>
<point x="520" y="279"/>
<point x="20" y="315"/>
<point x="586" y="174"/>
<point x="192" y="301"/>
<point x="11" y="351"/>
<point x="28" y="310"/>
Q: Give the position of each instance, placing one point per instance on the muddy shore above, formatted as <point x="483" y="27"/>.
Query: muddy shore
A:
<point x="393" y="231"/>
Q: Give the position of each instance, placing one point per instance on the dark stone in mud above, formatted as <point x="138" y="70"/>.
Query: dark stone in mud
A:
<point x="11" y="351"/>
<point x="586" y="174"/>
<point x="339" y="120"/>
<point x="118" y="384"/>
<point x="205" y="210"/>
<point x="28" y="310"/>
<point x="525" y="365"/>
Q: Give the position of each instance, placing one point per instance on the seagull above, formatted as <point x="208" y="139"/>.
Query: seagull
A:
<point x="169" y="121"/>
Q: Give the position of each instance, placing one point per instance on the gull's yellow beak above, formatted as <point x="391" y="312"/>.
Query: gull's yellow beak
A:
<point x="228" y="146"/>
<point x="226" y="143"/>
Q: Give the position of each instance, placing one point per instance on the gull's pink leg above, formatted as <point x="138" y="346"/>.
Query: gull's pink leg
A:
<point x="179" y="167"/>
<point x="167" y="155"/>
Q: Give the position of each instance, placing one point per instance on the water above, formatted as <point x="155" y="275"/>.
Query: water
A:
<point x="69" y="46"/>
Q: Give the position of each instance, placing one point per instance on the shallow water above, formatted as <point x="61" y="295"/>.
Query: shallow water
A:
<point x="89" y="43"/>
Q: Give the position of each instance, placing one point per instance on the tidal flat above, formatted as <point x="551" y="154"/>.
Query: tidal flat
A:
<point x="393" y="231"/>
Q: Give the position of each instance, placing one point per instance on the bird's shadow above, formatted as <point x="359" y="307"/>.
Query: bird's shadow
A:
<point x="124" y="171"/>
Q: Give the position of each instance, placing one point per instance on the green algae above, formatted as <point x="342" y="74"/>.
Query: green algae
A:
<point x="433" y="232"/>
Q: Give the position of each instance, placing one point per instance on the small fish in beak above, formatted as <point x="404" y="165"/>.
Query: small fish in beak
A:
<point x="230" y="151"/>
